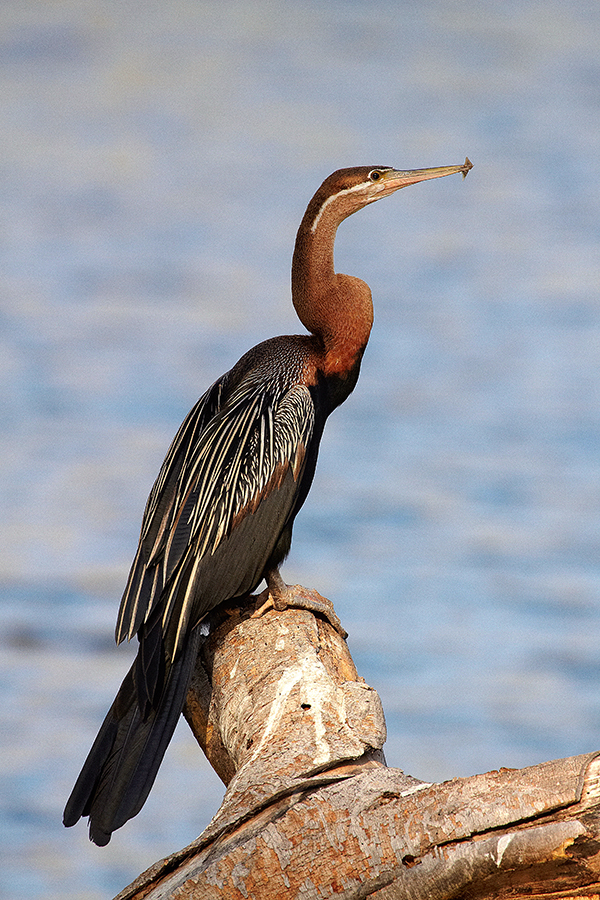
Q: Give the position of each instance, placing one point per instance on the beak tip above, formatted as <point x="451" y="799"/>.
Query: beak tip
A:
<point x="468" y="165"/>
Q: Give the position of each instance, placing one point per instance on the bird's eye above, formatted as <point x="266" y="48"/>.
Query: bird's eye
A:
<point x="375" y="175"/>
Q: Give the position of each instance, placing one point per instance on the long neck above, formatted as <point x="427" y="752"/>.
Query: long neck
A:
<point x="336" y="308"/>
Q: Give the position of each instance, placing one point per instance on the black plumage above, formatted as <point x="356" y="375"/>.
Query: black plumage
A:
<point x="218" y="519"/>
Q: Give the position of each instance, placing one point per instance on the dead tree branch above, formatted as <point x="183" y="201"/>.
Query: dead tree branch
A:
<point x="312" y="811"/>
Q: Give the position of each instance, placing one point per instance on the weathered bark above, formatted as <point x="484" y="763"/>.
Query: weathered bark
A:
<point x="312" y="811"/>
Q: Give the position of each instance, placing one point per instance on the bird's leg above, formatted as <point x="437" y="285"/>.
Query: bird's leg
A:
<point x="283" y="596"/>
<point x="278" y="590"/>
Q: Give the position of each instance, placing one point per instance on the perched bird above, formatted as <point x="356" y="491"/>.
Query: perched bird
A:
<point x="219" y="517"/>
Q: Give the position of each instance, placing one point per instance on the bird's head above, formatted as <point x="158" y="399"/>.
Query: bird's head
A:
<point x="348" y="190"/>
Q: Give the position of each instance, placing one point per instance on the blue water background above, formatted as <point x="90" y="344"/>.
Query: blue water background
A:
<point x="155" y="160"/>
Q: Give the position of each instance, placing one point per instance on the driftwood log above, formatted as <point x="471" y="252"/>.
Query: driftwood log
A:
<point x="312" y="810"/>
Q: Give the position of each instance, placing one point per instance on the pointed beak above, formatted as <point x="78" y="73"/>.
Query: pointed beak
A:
<point x="394" y="179"/>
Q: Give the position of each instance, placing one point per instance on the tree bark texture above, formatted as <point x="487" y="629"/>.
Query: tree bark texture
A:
<point x="312" y="811"/>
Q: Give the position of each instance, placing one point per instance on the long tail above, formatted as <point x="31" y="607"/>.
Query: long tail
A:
<point x="120" y="769"/>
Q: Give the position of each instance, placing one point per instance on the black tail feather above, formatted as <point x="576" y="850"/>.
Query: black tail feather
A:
<point x="121" y="766"/>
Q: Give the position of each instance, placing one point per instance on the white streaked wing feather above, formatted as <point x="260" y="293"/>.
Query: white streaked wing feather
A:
<point x="223" y="470"/>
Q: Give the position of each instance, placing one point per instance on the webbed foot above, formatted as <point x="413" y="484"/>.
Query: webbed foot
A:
<point x="283" y="596"/>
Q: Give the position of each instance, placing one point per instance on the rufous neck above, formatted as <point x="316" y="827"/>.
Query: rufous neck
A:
<point x="335" y="308"/>
<point x="313" y="274"/>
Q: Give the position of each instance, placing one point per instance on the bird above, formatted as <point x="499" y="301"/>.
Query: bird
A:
<point x="219" y="518"/>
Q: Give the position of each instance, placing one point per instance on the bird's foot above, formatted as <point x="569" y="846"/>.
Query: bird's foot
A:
<point x="281" y="596"/>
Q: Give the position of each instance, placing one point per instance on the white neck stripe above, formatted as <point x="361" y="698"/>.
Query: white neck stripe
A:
<point x="350" y="190"/>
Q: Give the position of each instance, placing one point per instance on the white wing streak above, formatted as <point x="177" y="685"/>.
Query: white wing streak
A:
<point x="216" y="473"/>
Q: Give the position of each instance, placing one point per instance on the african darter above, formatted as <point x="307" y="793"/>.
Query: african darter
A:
<point x="219" y="517"/>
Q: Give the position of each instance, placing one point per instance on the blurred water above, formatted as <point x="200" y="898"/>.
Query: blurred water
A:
<point x="155" y="161"/>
